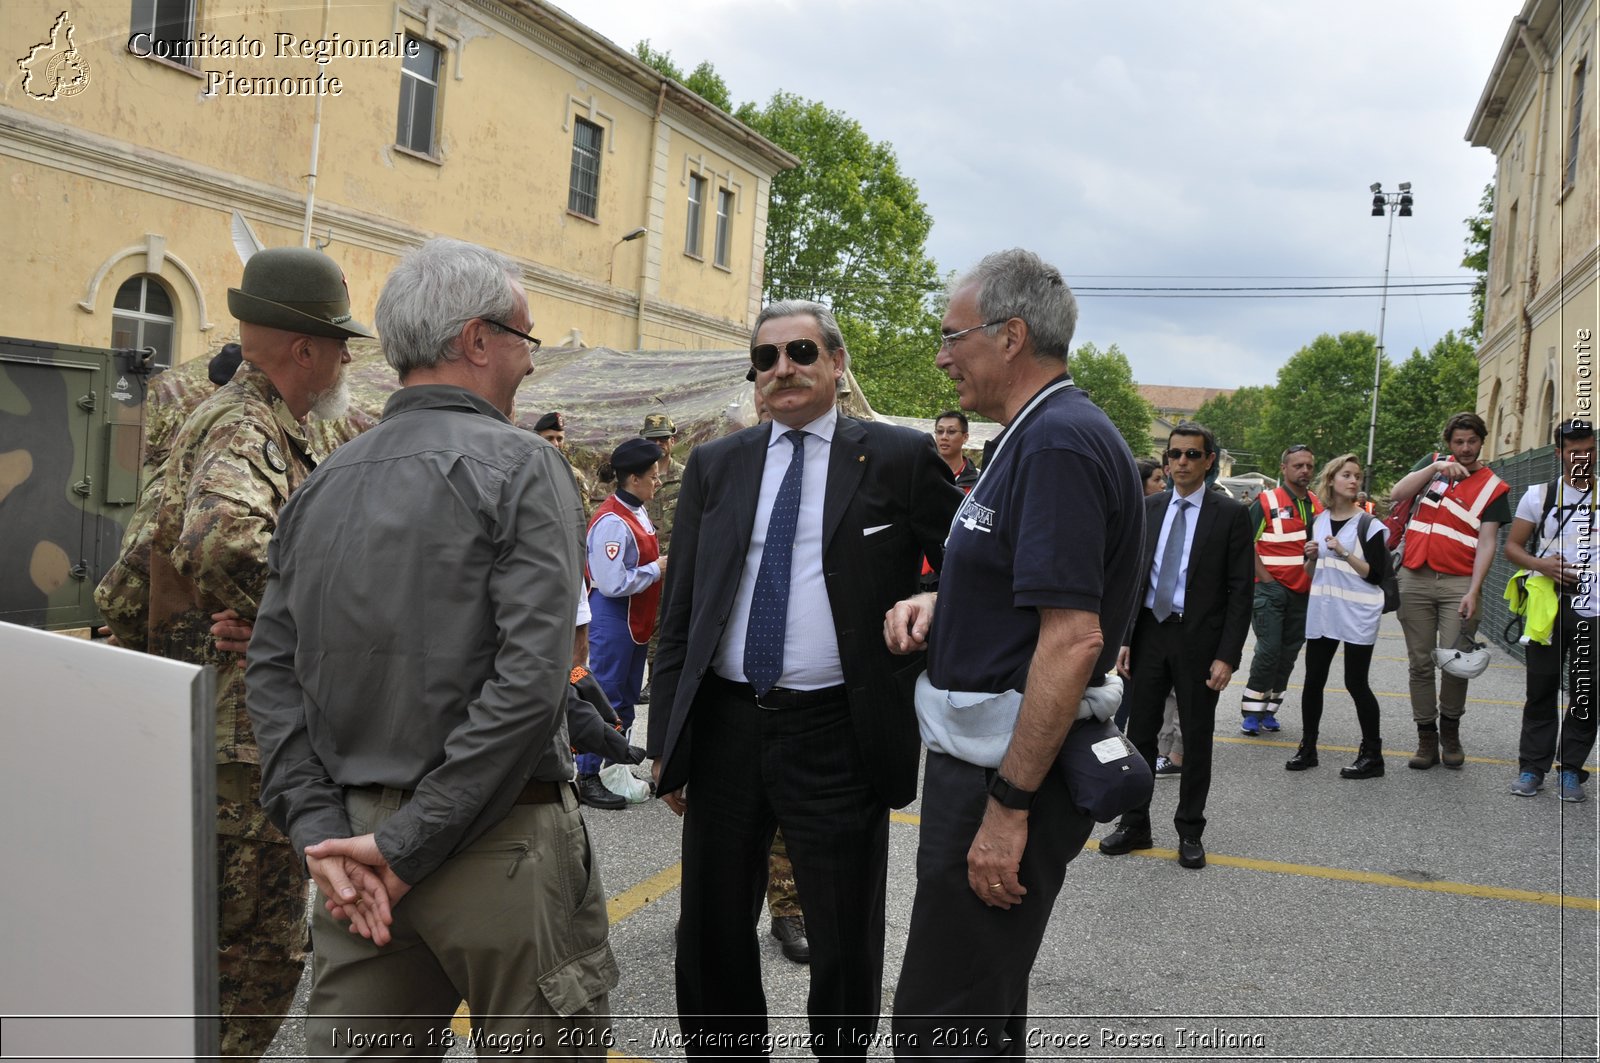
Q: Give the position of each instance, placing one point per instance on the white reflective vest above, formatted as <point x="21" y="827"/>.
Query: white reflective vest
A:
<point x="1343" y="605"/>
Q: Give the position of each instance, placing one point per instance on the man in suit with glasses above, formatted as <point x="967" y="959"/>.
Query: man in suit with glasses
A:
<point x="1189" y="634"/>
<point x="776" y="702"/>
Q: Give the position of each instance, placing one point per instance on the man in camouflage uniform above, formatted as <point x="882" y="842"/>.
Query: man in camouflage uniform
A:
<point x="202" y="550"/>
<point x="552" y="427"/>
<point x="659" y="429"/>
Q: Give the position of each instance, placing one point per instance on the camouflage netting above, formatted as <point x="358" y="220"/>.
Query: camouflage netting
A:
<point x="605" y="395"/>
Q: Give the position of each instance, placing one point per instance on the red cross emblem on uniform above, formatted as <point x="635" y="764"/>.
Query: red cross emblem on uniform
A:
<point x="612" y="550"/>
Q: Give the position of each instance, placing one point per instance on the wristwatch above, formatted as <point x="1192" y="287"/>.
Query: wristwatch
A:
<point x="1009" y="794"/>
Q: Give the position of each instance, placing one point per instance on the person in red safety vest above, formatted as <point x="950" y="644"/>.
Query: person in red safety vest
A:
<point x="1282" y="520"/>
<point x="1450" y="543"/>
<point x="625" y="567"/>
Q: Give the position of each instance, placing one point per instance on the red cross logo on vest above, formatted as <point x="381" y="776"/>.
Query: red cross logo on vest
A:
<point x="612" y="550"/>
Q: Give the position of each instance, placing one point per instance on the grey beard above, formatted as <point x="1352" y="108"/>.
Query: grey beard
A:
<point x="334" y="403"/>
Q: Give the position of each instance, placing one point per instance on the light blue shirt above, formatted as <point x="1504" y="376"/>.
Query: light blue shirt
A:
<point x="621" y="576"/>
<point x="810" y="649"/>
<point x="1191" y="518"/>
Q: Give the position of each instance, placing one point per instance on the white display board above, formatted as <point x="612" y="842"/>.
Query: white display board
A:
<point x="107" y="813"/>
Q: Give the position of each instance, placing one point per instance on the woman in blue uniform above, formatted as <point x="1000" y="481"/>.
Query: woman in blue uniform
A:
<point x="625" y="570"/>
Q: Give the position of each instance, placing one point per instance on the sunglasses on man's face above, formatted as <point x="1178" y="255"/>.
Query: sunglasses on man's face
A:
<point x="1193" y="455"/>
<point x="801" y="352"/>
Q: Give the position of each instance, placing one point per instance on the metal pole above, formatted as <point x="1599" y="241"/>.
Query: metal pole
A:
<point x="1377" y="359"/>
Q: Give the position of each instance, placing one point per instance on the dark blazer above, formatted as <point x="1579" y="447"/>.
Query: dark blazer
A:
<point x="878" y="474"/>
<point x="1218" y="594"/>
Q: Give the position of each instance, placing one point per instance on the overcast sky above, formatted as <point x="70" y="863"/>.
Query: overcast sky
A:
<point x="1162" y="143"/>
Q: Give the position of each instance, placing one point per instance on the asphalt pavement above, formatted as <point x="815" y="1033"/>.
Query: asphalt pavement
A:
<point x="1421" y="915"/>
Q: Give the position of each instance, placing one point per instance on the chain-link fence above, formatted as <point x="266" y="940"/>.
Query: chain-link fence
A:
<point x="1520" y="471"/>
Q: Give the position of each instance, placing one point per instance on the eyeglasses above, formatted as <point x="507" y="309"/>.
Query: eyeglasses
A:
<point x="801" y="352"/>
<point x="1295" y="449"/>
<point x="950" y="337"/>
<point x="1192" y="454"/>
<point x="533" y="341"/>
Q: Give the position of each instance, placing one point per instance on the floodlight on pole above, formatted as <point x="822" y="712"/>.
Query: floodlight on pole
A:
<point x="1390" y="203"/>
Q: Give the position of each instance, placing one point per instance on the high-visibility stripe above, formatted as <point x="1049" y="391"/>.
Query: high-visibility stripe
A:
<point x="1466" y="516"/>
<point x="1283" y="562"/>
<point x="1282" y="537"/>
<point x="1372" y="597"/>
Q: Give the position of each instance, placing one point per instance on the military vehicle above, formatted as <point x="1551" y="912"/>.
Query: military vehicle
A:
<point x="71" y="420"/>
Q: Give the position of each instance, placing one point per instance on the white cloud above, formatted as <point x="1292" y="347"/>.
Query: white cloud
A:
<point x="1159" y="140"/>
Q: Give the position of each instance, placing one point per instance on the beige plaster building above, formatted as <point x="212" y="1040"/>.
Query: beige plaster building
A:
<point x="131" y="131"/>
<point x="1539" y="116"/>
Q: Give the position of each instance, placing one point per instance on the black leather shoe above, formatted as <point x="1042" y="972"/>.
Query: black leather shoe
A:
<point x="1191" y="853"/>
<point x="593" y="792"/>
<point x="791" y="931"/>
<point x="1304" y="757"/>
<point x="1123" y="840"/>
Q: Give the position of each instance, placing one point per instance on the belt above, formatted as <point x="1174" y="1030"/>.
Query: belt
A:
<point x="1172" y="618"/>
<point x="535" y="792"/>
<point x="778" y="697"/>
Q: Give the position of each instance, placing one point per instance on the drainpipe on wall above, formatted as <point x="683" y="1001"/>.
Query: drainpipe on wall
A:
<point x="316" y="143"/>
<point x="649" y="187"/>
<point x="1546" y="66"/>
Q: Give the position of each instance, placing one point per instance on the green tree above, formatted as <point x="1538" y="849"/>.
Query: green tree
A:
<point x="1238" y="421"/>
<point x="1322" y="398"/>
<point x="1107" y="377"/>
<point x="705" y="82"/>
<point x="1415" y="400"/>
<point x="847" y="228"/>
<point x="1477" y="260"/>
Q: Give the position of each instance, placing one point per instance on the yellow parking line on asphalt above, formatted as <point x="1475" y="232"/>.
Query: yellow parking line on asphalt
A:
<point x="1371" y="878"/>
<point x="1407" y="660"/>
<point x="1406" y="697"/>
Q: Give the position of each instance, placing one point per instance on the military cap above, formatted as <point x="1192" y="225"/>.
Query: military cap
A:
<point x="658" y="426"/>
<point x="551" y="422"/>
<point x="295" y="289"/>
<point x="224" y="364"/>
<point x="635" y="455"/>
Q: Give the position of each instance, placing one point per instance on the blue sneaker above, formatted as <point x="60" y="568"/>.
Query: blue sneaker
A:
<point x="1251" y="724"/>
<point x="1528" y="784"/>
<point x="1571" y="788"/>
<point x="1269" y="722"/>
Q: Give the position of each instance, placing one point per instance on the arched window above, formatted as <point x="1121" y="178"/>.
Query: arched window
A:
<point x="141" y="316"/>
<point x="1547" y="414"/>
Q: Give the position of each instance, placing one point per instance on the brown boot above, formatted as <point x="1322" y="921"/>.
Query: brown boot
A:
<point x="1450" y="752"/>
<point x="1427" y="754"/>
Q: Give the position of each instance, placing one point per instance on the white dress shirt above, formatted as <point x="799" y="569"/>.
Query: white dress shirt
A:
<point x="1191" y="518"/>
<point x="811" y="649"/>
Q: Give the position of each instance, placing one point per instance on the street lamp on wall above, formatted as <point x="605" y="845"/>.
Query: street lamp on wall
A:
<point x="631" y="234"/>
<point x="1392" y="204"/>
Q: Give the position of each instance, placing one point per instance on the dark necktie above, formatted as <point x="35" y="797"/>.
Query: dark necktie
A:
<point x="769" y="610"/>
<point x="1171" y="561"/>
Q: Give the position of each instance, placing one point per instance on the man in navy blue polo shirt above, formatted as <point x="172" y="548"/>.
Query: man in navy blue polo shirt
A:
<point x="1041" y="568"/>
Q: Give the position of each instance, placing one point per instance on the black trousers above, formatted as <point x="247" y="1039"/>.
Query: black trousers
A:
<point x="963" y="991"/>
<point x="1163" y="661"/>
<point x="1357" y="666"/>
<point x="753" y="770"/>
<point x="1572" y="642"/>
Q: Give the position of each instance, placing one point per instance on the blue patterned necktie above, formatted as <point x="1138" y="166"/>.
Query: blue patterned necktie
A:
<point x="769" y="610"/>
<point x="1171" y="561"/>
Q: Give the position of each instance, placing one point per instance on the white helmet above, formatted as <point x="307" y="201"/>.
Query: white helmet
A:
<point x="1464" y="664"/>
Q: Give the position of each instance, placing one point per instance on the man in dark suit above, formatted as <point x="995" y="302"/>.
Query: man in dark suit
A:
<point x="779" y="703"/>
<point x="1189" y="634"/>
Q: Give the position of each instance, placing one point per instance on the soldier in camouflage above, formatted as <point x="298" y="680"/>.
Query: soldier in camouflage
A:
<point x="200" y="553"/>
<point x="552" y="427"/>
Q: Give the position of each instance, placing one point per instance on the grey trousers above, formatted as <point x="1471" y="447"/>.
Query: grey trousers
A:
<point x="515" y="925"/>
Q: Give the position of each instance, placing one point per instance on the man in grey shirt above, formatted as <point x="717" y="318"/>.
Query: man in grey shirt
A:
<point x="407" y="683"/>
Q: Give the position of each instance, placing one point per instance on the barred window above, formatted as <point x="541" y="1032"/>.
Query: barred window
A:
<point x="584" y="196"/>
